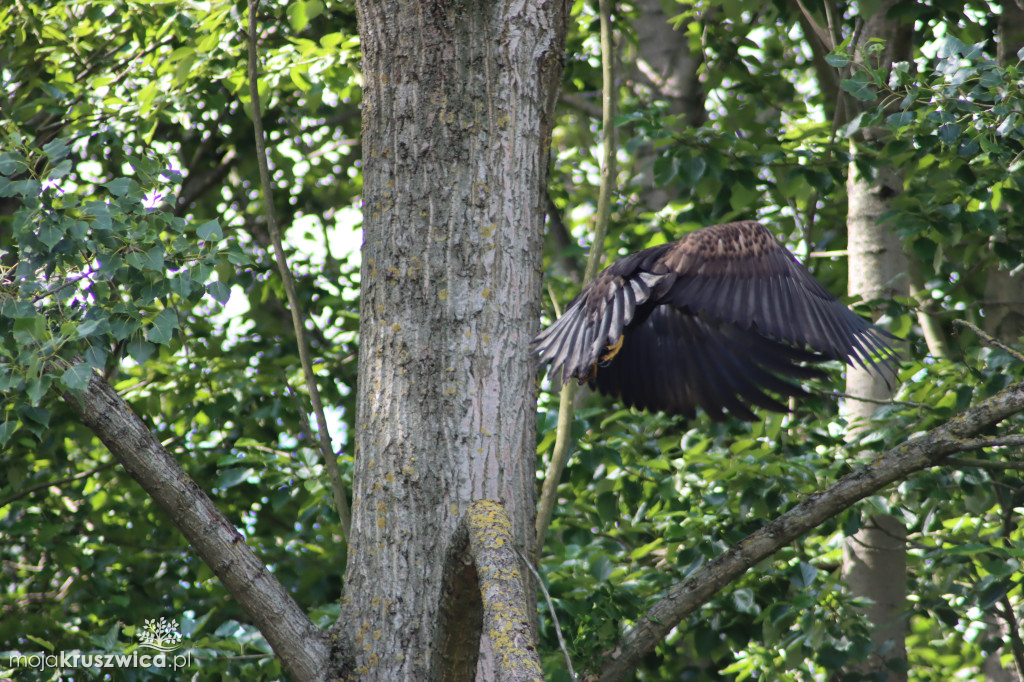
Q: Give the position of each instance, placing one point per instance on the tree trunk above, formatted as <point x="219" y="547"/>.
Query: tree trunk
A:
<point x="874" y="559"/>
<point x="456" y="121"/>
<point x="1004" y="320"/>
<point x="668" y="64"/>
<point x="1004" y="291"/>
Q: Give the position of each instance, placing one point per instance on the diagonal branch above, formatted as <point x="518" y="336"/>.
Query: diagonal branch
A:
<point x="483" y="592"/>
<point x="927" y="450"/>
<point x="326" y="449"/>
<point x="299" y="644"/>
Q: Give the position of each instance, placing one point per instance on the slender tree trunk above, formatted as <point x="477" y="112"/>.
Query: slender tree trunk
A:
<point x="874" y="559"/>
<point x="1004" y="291"/>
<point x="456" y="122"/>
<point x="1004" y="318"/>
<point x="668" y="64"/>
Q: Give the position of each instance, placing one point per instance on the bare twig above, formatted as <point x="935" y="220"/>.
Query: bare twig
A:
<point x="326" y="450"/>
<point x="560" y="453"/>
<point x="554" y="616"/>
<point x="988" y="340"/>
<point x="49" y="484"/>
<point x="877" y="401"/>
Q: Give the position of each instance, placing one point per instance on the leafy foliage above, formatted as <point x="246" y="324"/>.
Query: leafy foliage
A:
<point x="132" y="246"/>
<point x="646" y="500"/>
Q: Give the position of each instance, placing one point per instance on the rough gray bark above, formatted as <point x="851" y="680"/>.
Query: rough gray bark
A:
<point x="456" y="121"/>
<point x="874" y="559"/>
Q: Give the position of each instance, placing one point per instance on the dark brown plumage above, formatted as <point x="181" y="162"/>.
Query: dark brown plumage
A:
<point x="714" y="320"/>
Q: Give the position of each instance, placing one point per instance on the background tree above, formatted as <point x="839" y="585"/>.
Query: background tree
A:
<point x="132" y="214"/>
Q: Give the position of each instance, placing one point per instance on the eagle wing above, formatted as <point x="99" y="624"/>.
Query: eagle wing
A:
<point x="712" y="320"/>
<point x="740" y="273"/>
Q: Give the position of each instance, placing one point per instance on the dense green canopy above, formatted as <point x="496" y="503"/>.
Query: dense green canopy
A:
<point x="134" y="244"/>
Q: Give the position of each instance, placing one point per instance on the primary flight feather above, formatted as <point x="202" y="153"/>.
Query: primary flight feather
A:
<point x="713" y="320"/>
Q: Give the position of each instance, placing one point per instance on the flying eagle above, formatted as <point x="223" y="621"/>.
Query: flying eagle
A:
<point x="713" y="320"/>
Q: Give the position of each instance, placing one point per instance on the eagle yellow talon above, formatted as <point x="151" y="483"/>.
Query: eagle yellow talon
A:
<point x="613" y="349"/>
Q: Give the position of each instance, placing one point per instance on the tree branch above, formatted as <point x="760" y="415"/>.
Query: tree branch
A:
<point x="48" y="484"/>
<point x="560" y="453"/>
<point x="989" y="341"/>
<point x="326" y="449"/>
<point x="299" y="644"/>
<point x="894" y="465"/>
<point x="483" y="592"/>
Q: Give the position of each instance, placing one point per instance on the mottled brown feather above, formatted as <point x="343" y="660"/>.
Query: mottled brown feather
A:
<point x="714" y="320"/>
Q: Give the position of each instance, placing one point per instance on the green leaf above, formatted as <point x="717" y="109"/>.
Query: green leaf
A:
<point x="40" y="641"/>
<point x="229" y="478"/>
<point x="744" y="601"/>
<point x="949" y="133"/>
<point x="36" y="388"/>
<point x="57" y="149"/>
<point x="853" y="126"/>
<point x="163" y="327"/>
<point x="838" y="60"/>
<point x="140" y="350"/>
<point x="298" y="16"/>
<point x="7" y="428"/>
<point x="210" y="231"/>
<point x="220" y="292"/>
<point x="993" y="593"/>
<point x="60" y="170"/>
<point x="692" y="170"/>
<point x="860" y="86"/>
<point x="803" y="575"/>
<point x="95" y="357"/>
<point x="12" y="163"/>
<point x="119" y="187"/>
<point x="900" y="120"/>
<point x="30" y="330"/>
<point x="49" y="235"/>
<point x="601" y="567"/>
<point x="77" y="377"/>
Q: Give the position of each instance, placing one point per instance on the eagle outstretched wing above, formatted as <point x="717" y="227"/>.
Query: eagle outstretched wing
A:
<point x="713" y="320"/>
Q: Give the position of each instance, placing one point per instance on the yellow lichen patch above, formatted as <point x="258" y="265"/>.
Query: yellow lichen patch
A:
<point x="396" y="327"/>
<point x="389" y="477"/>
<point x="486" y="293"/>
<point x="487" y="231"/>
<point x="443" y="294"/>
<point x="382" y="523"/>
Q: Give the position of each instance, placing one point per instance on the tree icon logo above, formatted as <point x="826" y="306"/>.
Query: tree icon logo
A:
<point x="161" y="635"/>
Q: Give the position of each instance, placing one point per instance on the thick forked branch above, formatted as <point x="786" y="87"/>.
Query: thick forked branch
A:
<point x="483" y="590"/>
<point x="930" y="449"/>
<point x="301" y="646"/>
